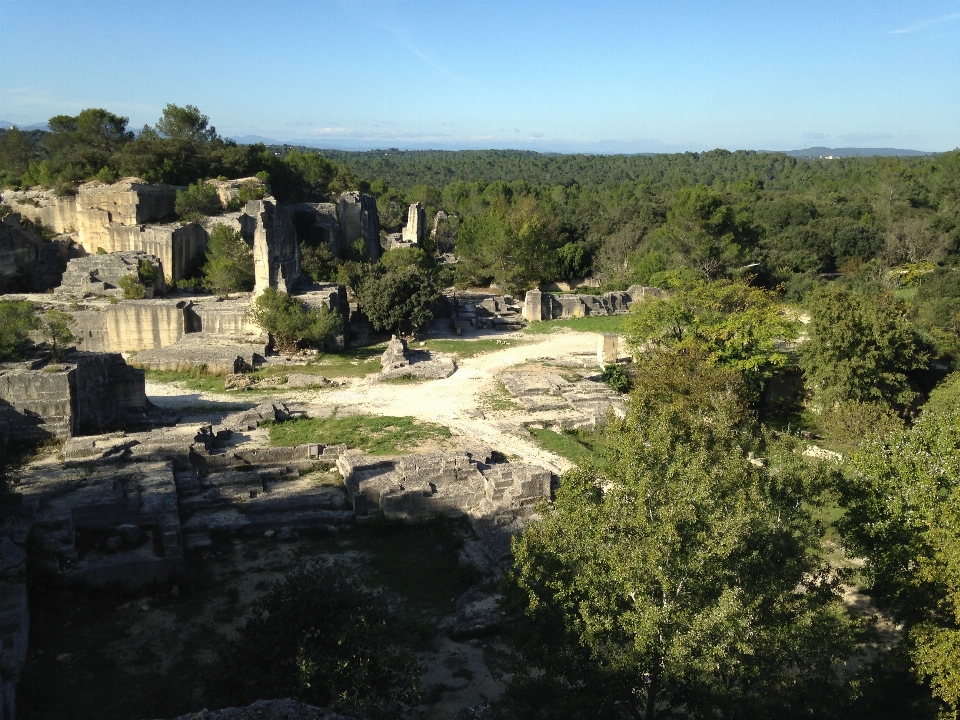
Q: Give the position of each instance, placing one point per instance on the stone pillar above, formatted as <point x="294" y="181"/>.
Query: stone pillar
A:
<point x="607" y="349"/>
<point x="533" y="306"/>
<point x="359" y="219"/>
<point x="414" y="231"/>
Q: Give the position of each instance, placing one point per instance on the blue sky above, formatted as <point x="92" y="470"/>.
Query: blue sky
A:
<point x="591" y="76"/>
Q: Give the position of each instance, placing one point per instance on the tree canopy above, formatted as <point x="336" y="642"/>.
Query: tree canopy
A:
<point x="681" y="575"/>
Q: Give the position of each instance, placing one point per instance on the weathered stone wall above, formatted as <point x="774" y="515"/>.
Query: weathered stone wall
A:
<point x="38" y="403"/>
<point x="109" y="392"/>
<point x="131" y="325"/>
<point x="46" y="207"/>
<point x="359" y="219"/>
<point x="27" y="263"/>
<point x="545" y="306"/>
<point x="179" y="247"/>
<point x="315" y="224"/>
<point x="96" y="205"/>
<point x="101" y="274"/>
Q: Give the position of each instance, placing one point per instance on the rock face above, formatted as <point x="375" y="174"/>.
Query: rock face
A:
<point x="92" y="393"/>
<point x="14" y="642"/>
<point x="276" y="255"/>
<point x="114" y="218"/>
<point x="545" y="306"/>
<point x="101" y="274"/>
<point x="359" y="219"/>
<point x="398" y="361"/>
<point x="415" y="231"/>
<point x="27" y="263"/>
<point x="316" y="224"/>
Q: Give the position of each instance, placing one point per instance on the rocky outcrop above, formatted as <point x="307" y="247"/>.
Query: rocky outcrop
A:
<point x="101" y="274"/>
<point x="27" y="262"/>
<point x="210" y="353"/>
<point x="276" y="254"/>
<point x="398" y="361"/>
<point x="90" y="394"/>
<point x="359" y="219"/>
<point x="539" y="305"/>
<point x="415" y="231"/>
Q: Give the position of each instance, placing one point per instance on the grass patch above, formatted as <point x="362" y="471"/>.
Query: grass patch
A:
<point x="352" y="362"/>
<point x="592" y="323"/>
<point x="195" y="380"/>
<point x="375" y="434"/>
<point x="466" y="348"/>
<point x="576" y="446"/>
<point x="497" y="400"/>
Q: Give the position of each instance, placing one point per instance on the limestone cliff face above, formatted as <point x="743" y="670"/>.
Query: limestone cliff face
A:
<point x="114" y="218"/>
<point x="131" y="325"/>
<point x="415" y="231"/>
<point x="359" y="219"/>
<point x="27" y="263"/>
<point x="276" y="254"/>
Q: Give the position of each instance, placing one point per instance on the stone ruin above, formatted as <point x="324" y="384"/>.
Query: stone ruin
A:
<point x="496" y="497"/>
<point x="359" y="219"/>
<point x="551" y="400"/>
<point x="133" y="215"/>
<point x="538" y="305"/>
<point x="27" y="263"/>
<point x="119" y="510"/>
<point x="91" y="393"/>
<point x="101" y="274"/>
<point x="415" y="231"/>
<point x="398" y="361"/>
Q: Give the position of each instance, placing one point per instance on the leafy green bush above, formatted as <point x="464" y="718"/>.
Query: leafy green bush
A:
<point x="17" y="319"/>
<point x="147" y="272"/>
<point x="617" y="377"/>
<point x="199" y="198"/>
<point x="132" y="288"/>
<point x="290" y="322"/>
<point x="229" y="265"/>
<point x="56" y="326"/>
<point x="248" y="191"/>
<point x="399" y="299"/>
<point x="323" y="637"/>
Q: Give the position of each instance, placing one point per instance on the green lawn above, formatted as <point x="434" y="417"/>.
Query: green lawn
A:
<point x="593" y="323"/>
<point x="375" y="434"/>
<point x="466" y="348"/>
<point x="577" y="446"/>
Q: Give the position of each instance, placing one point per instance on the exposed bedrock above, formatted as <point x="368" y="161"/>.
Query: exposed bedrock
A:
<point x="359" y="220"/>
<point x="28" y="263"/>
<point x="101" y="274"/>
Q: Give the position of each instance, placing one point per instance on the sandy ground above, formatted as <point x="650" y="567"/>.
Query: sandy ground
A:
<point x="456" y="401"/>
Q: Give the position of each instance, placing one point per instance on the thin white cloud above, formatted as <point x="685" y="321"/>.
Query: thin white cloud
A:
<point x="923" y="24"/>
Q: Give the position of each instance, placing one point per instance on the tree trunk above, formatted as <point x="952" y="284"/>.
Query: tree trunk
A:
<point x="652" y="690"/>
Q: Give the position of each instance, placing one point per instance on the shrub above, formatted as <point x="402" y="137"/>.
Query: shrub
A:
<point x="56" y="326"/>
<point x="17" y="319"/>
<point x="147" y="272"/>
<point x="617" y="377"/>
<point x="399" y="299"/>
<point x="132" y="288"/>
<point x="229" y="265"/>
<point x="290" y="322"/>
<point x="326" y="639"/>
<point x="248" y="191"/>
<point x="198" y="199"/>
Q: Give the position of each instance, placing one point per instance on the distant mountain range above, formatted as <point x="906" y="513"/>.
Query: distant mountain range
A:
<point x="346" y="145"/>
<point x="6" y="125"/>
<point x="818" y="152"/>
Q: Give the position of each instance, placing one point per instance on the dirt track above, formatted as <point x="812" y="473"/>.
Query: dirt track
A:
<point x="455" y="401"/>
